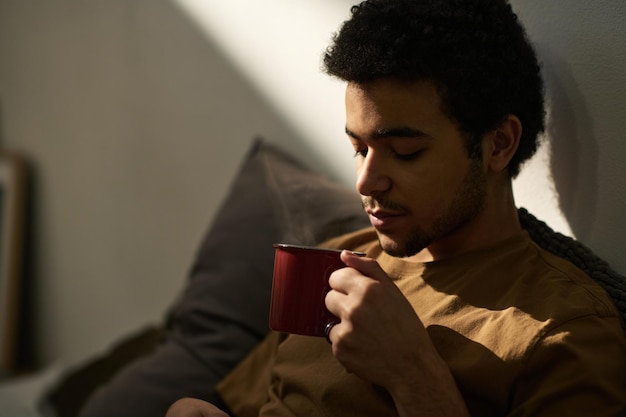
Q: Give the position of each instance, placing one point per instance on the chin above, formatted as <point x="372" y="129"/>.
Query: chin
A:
<point x="402" y="247"/>
<point x="393" y="247"/>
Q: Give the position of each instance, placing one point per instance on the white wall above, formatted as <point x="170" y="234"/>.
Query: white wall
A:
<point x="136" y="113"/>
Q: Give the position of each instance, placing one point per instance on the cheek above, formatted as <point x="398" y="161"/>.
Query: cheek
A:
<point x="429" y="190"/>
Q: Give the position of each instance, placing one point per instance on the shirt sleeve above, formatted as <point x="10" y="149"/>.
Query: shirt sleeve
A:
<point x="577" y="369"/>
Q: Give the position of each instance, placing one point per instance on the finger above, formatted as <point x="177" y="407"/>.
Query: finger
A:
<point x="366" y="266"/>
<point x="334" y="300"/>
<point x="193" y="407"/>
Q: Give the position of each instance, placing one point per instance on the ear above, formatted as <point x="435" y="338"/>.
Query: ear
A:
<point x="502" y="143"/>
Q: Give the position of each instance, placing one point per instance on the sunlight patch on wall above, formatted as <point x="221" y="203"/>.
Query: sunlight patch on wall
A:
<point x="534" y="188"/>
<point x="278" y="45"/>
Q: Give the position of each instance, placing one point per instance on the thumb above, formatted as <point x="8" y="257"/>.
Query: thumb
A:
<point x="366" y="266"/>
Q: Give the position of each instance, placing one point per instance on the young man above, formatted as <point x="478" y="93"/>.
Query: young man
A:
<point x="454" y="311"/>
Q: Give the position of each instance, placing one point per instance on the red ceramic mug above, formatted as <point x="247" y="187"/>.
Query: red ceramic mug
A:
<point x="299" y="288"/>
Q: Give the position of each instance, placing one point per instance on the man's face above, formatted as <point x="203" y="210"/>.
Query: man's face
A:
<point x="418" y="185"/>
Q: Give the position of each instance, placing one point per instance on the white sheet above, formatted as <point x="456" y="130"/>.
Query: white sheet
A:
<point x="26" y="396"/>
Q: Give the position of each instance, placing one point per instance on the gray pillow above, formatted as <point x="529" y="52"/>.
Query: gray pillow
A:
<point x="223" y="311"/>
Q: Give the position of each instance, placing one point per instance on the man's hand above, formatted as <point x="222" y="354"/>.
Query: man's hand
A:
<point x="379" y="335"/>
<point x="381" y="339"/>
<point x="192" y="407"/>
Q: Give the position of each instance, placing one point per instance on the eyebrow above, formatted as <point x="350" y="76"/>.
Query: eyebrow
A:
<point x="404" y="132"/>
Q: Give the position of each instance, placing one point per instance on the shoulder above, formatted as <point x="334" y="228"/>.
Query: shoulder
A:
<point x="563" y="282"/>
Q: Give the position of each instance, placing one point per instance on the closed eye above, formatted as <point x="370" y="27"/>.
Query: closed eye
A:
<point x="360" y="152"/>
<point x="407" y="156"/>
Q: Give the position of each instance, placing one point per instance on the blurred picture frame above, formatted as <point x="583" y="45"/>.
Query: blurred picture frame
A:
<point x="12" y="220"/>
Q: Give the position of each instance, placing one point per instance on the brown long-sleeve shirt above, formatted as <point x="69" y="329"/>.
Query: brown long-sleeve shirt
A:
<point x="525" y="333"/>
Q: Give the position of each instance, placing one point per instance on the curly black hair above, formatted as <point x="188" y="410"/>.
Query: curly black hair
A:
<point x="475" y="51"/>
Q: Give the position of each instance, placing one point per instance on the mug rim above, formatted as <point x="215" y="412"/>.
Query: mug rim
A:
<point x="314" y="248"/>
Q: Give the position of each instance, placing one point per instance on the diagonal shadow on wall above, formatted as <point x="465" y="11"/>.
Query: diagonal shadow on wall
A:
<point x="574" y="149"/>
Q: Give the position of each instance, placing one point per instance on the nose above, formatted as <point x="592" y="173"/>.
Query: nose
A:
<point x="372" y="177"/>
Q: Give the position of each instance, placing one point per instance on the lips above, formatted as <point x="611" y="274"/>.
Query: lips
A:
<point x="382" y="219"/>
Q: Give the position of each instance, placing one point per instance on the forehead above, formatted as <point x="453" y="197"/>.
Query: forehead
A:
<point x="387" y="103"/>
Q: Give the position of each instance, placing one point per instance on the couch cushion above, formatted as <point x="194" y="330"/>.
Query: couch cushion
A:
<point x="222" y="313"/>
